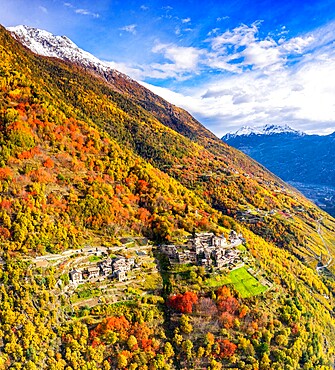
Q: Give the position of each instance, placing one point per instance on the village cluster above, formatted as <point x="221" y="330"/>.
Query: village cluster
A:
<point x="112" y="268"/>
<point x="203" y="249"/>
<point x="206" y="249"/>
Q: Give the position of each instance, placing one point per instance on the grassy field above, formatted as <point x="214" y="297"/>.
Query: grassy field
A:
<point x="95" y="258"/>
<point x="242" y="280"/>
<point x="245" y="283"/>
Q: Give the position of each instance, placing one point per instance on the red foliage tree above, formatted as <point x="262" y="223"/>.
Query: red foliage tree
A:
<point x="48" y="163"/>
<point x="227" y="348"/>
<point x="229" y="304"/>
<point x="6" y="204"/>
<point x="140" y="331"/>
<point x="143" y="214"/>
<point x="118" y="324"/>
<point x="142" y="186"/>
<point x="146" y="345"/>
<point x="4" y="233"/>
<point x="243" y="312"/>
<point x="183" y="302"/>
<point x="223" y="292"/>
<point x="294" y="329"/>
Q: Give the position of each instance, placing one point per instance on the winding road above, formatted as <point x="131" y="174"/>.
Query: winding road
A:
<point x="330" y="258"/>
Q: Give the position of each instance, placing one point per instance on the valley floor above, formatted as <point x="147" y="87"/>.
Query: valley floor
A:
<point x="323" y="196"/>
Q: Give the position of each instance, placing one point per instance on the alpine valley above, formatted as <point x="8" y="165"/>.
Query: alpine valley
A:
<point x="305" y="161"/>
<point x="134" y="238"/>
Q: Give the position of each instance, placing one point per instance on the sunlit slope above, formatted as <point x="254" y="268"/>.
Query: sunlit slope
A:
<point x="82" y="164"/>
<point x="149" y="126"/>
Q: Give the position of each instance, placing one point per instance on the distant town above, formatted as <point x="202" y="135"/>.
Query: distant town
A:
<point x="323" y="196"/>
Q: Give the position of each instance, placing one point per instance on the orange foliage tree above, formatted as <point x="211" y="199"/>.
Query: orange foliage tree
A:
<point x="227" y="348"/>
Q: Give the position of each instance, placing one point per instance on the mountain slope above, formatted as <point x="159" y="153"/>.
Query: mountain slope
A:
<point x="219" y="173"/>
<point x="44" y="43"/>
<point x="82" y="164"/>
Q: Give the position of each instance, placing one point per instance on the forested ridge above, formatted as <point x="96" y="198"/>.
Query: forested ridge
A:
<point x="87" y="162"/>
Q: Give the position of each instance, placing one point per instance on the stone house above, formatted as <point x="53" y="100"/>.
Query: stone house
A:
<point x="119" y="263"/>
<point x="106" y="267"/>
<point x="120" y="275"/>
<point x="221" y="262"/>
<point x="93" y="272"/>
<point x="76" y="276"/>
<point x="170" y="250"/>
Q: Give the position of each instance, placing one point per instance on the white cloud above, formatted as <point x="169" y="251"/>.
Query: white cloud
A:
<point x="135" y="71"/>
<point x="154" y="70"/>
<point x="219" y="62"/>
<point x="258" y="80"/>
<point x="297" y="44"/>
<point x="219" y="19"/>
<point x="131" y="28"/>
<point x="240" y="36"/>
<point x="233" y="50"/>
<point x="182" y="58"/>
<point x="43" y="9"/>
<point x="301" y="95"/>
<point x="263" y="54"/>
<point x="87" y="12"/>
<point x="186" y="20"/>
<point x="80" y="11"/>
<point x="213" y="31"/>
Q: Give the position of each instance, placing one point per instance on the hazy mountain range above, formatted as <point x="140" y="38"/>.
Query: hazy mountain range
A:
<point x="307" y="161"/>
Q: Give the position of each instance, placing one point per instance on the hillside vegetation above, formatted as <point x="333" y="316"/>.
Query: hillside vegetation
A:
<point x="86" y="162"/>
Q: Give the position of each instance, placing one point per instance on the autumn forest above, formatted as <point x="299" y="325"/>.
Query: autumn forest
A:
<point x="89" y="161"/>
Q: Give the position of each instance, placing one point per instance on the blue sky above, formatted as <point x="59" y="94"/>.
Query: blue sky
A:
<point x="230" y="63"/>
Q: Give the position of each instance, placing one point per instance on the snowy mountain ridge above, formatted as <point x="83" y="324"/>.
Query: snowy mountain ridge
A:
<point x="263" y="130"/>
<point x="45" y="43"/>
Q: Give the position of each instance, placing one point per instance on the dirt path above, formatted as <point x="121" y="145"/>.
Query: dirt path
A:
<point x="330" y="258"/>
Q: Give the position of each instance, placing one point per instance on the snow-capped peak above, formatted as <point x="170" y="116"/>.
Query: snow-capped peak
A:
<point x="45" y="43"/>
<point x="263" y="130"/>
